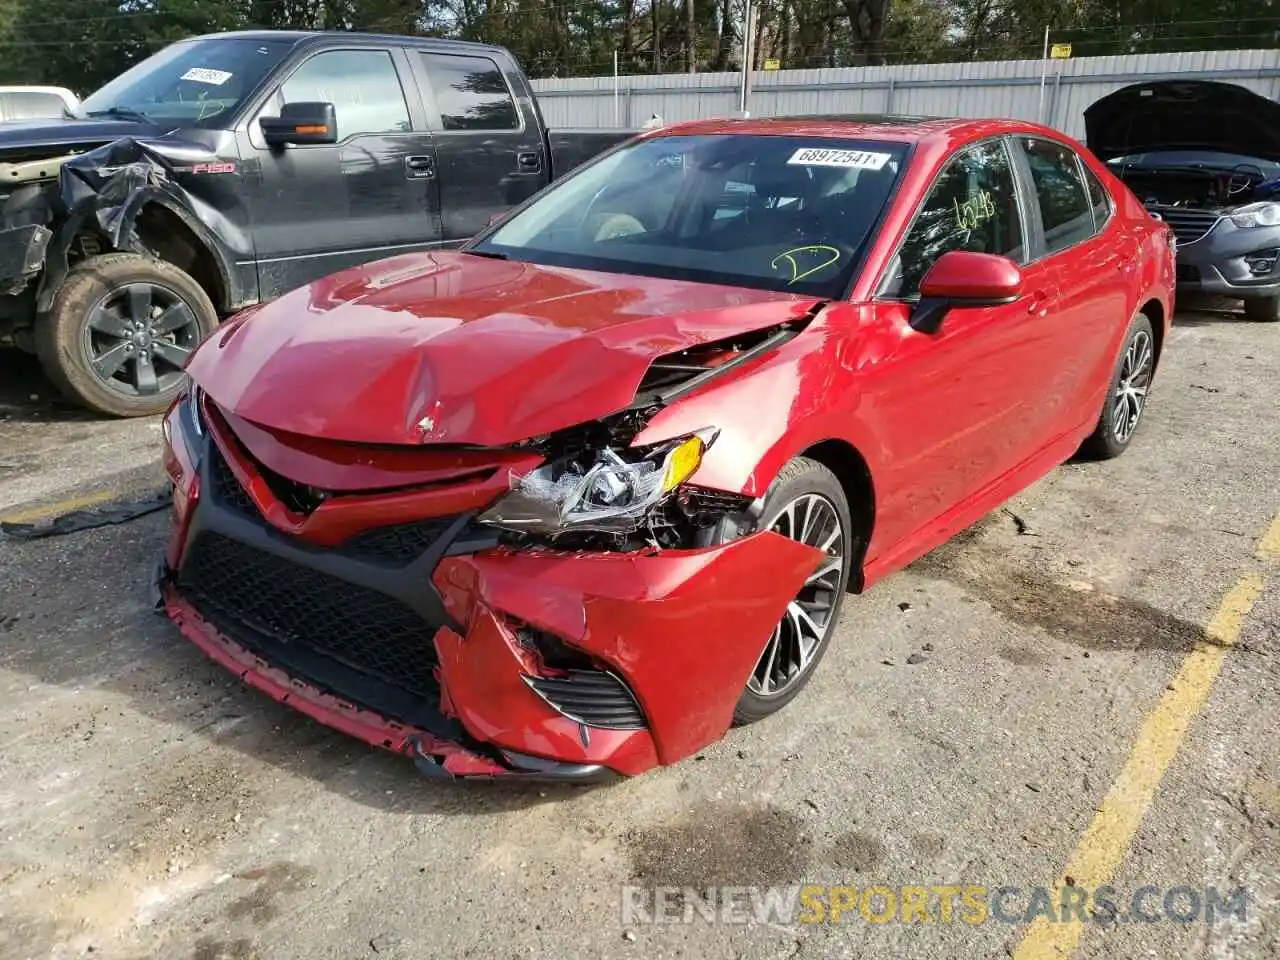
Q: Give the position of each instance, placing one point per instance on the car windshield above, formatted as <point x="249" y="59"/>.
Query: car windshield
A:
<point x="779" y="213"/>
<point x="195" y="83"/>
<point x="1196" y="158"/>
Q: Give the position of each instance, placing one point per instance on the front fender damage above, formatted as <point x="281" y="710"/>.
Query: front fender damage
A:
<point x="84" y="204"/>
<point x="682" y="628"/>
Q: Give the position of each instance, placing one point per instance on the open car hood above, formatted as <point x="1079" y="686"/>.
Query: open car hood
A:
<point x="1183" y="115"/>
<point x="450" y="348"/>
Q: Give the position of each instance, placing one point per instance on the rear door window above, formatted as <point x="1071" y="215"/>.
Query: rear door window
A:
<point x="470" y="93"/>
<point x="1098" y="198"/>
<point x="973" y="205"/>
<point x="1065" y="209"/>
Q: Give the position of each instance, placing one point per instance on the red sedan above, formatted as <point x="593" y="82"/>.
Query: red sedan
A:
<point x="573" y="500"/>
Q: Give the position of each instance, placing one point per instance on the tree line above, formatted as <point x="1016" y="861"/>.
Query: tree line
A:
<point x="83" y="43"/>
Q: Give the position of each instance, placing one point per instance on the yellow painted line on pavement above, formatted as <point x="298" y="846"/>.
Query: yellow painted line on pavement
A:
<point x="60" y="507"/>
<point x="1101" y="850"/>
<point x="1269" y="545"/>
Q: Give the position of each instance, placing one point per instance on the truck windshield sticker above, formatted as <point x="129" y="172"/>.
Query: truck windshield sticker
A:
<point x="824" y="255"/>
<point x="206" y="75"/>
<point x="849" y="159"/>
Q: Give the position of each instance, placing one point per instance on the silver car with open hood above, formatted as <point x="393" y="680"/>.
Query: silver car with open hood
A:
<point x="1204" y="157"/>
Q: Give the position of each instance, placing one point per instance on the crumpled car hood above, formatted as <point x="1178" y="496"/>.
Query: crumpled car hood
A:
<point x="458" y="349"/>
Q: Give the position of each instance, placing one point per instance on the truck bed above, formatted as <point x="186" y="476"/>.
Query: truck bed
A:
<point x="573" y="146"/>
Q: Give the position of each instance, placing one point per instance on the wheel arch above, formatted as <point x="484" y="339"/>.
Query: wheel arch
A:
<point x="854" y="473"/>
<point x="1154" y="311"/>
<point x="168" y="234"/>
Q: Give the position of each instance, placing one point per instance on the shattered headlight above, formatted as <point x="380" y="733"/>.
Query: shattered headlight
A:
<point x="604" y="491"/>
<point x="1263" y="214"/>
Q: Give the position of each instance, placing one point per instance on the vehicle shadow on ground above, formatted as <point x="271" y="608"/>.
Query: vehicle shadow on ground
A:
<point x="26" y="395"/>
<point x="74" y="613"/>
<point x="1203" y="311"/>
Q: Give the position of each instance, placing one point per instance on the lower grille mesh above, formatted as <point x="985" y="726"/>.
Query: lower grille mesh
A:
<point x="592" y="697"/>
<point x="361" y="628"/>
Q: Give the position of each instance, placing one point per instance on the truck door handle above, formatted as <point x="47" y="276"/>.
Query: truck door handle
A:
<point x="529" y="161"/>
<point x="419" y="167"/>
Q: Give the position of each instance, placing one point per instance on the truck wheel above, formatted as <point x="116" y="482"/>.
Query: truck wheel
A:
<point x="119" y="332"/>
<point x="1263" y="310"/>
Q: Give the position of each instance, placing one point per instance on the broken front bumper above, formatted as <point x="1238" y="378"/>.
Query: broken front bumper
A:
<point x="422" y="638"/>
<point x="22" y="251"/>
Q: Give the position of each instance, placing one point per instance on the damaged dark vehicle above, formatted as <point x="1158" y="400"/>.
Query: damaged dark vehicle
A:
<point x="1204" y="157"/>
<point x="227" y="170"/>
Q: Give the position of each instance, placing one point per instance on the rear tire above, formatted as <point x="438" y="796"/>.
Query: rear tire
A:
<point x="1127" y="392"/>
<point x="807" y="503"/>
<point x="1263" y="310"/>
<point x="119" y="331"/>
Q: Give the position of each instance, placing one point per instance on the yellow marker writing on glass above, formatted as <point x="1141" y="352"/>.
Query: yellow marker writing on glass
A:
<point x="790" y="257"/>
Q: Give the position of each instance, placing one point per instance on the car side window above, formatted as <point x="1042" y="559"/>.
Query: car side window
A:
<point x="1065" y="211"/>
<point x="1098" y="198"/>
<point x="362" y="85"/>
<point x="973" y="205"/>
<point x="470" y="93"/>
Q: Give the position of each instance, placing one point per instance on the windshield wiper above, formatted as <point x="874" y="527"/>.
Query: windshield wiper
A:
<point x="124" y="113"/>
<point x="491" y="254"/>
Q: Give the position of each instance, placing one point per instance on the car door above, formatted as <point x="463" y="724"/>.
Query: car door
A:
<point x="318" y="208"/>
<point x="957" y="408"/>
<point x="490" y="155"/>
<point x="1092" y="260"/>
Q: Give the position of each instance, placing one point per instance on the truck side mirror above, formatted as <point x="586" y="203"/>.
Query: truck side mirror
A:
<point x="301" y="123"/>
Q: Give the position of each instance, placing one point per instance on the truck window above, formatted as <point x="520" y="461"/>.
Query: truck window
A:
<point x="362" y="85"/>
<point x="470" y="93"/>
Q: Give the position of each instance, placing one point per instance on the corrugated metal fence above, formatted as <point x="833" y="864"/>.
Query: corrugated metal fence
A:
<point x="1007" y="88"/>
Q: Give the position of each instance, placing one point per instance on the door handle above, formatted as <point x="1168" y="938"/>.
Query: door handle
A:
<point x="419" y="167"/>
<point x="529" y="161"/>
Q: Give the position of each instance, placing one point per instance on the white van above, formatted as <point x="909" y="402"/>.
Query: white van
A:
<point x="33" y="103"/>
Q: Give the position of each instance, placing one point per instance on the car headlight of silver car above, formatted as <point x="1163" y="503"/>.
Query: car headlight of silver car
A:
<point x="1265" y="214"/>
<point x="610" y="490"/>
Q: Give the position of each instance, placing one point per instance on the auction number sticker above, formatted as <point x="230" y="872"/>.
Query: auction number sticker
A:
<point x="205" y="75"/>
<point x="850" y="159"/>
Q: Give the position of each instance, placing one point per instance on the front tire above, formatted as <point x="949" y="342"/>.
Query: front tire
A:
<point x="119" y="331"/>
<point x="806" y="503"/>
<point x="1126" y="394"/>
<point x="1263" y="310"/>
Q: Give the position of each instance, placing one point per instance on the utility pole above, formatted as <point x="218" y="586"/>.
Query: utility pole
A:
<point x="744" y="92"/>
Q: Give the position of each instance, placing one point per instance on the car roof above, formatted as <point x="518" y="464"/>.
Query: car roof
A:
<point x="891" y="127"/>
<point x="301" y="36"/>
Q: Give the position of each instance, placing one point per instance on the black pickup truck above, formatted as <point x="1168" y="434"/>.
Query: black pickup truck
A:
<point x="227" y="169"/>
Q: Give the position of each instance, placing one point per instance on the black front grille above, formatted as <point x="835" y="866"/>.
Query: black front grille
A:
<point x="1188" y="273"/>
<point x="286" y="602"/>
<point x="1188" y="225"/>
<point x="398" y="545"/>
<point x="592" y="697"/>
<point x="226" y="488"/>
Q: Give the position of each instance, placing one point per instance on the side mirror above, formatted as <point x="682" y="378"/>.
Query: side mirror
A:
<point x="301" y="123"/>
<point x="963" y="278"/>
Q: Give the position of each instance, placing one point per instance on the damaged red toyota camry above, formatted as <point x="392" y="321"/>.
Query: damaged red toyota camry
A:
<point x="575" y="499"/>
